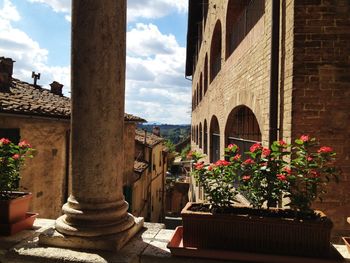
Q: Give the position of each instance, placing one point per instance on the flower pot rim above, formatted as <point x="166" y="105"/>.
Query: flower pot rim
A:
<point x="187" y="212"/>
<point x="20" y="196"/>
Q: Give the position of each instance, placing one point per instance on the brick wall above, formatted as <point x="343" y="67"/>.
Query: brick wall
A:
<point x="321" y="89"/>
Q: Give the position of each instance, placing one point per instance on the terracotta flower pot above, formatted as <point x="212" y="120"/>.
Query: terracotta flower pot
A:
<point x="244" y="232"/>
<point x="13" y="213"/>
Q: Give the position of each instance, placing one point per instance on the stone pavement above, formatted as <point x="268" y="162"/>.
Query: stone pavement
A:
<point x="148" y="246"/>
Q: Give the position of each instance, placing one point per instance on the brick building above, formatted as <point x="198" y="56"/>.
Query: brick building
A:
<point x="258" y="78"/>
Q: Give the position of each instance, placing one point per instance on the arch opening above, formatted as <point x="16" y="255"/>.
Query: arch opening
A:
<point x="214" y="140"/>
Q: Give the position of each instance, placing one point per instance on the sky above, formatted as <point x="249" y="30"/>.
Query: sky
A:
<point x="36" y="34"/>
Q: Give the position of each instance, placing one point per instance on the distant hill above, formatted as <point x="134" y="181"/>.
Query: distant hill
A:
<point x="174" y="133"/>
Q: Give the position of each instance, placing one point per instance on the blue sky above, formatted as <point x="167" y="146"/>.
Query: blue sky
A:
<point x="36" y="34"/>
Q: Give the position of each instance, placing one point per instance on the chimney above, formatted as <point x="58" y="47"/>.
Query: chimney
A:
<point x="156" y="130"/>
<point x="6" y="70"/>
<point x="56" y="88"/>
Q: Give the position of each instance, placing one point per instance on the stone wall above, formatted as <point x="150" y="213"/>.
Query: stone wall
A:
<point x="129" y="152"/>
<point x="321" y="90"/>
<point x="46" y="174"/>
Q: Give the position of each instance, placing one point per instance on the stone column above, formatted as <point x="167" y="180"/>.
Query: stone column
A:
<point x="95" y="215"/>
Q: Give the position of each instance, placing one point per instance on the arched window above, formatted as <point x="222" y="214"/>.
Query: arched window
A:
<point x="201" y="87"/>
<point x="205" y="142"/>
<point x="197" y="133"/>
<point x="200" y="135"/>
<point x="214" y="140"/>
<point x="241" y="17"/>
<point x="197" y="92"/>
<point x="242" y="128"/>
<point x="215" y="51"/>
<point x="206" y="74"/>
<point x="205" y="11"/>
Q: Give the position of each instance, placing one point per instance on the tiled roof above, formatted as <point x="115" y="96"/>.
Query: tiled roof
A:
<point x="151" y="139"/>
<point x="140" y="166"/>
<point x="25" y="98"/>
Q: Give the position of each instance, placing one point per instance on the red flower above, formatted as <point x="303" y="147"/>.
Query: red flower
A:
<point x="246" y="178"/>
<point x="309" y="158"/>
<point x="255" y="147"/>
<point x="305" y="138"/>
<point x="237" y="157"/>
<point x="314" y="174"/>
<point x="287" y="170"/>
<point x="16" y="156"/>
<point x="5" y="141"/>
<point x="248" y="161"/>
<point x="210" y="168"/>
<point x="282" y="143"/>
<point x="199" y="166"/>
<point x="281" y="177"/>
<point x="189" y="155"/>
<point x="24" y="144"/>
<point x="266" y="152"/>
<point x="263" y="164"/>
<point x="222" y="163"/>
<point x="233" y="147"/>
<point x="325" y="149"/>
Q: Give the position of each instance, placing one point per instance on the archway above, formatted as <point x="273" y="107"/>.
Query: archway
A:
<point x="214" y="139"/>
<point x="242" y="128"/>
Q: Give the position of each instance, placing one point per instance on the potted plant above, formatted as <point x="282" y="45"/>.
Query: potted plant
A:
<point x="290" y="175"/>
<point x="13" y="204"/>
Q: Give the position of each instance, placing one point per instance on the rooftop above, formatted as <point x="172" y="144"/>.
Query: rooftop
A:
<point x="151" y="139"/>
<point x="26" y="99"/>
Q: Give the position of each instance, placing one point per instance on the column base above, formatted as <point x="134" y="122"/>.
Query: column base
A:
<point x="348" y="219"/>
<point x="113" y="242"/>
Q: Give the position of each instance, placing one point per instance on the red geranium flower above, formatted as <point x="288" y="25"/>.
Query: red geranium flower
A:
<point x="222" y="163"/>
<point x="199" y="166"/>
<point x="255" y="147"/>
<point x="246" y="178"/>
<point x="16" y="156"/>
<point x="325" y="149"/>
<point x="248" y="161"/>
<point x="305" y="138"/>
<point x="282" y="143"/>
<point x="24" y="144"/>
<point x="5" y="141"/>
<point x="314" y="174"/>
<point x="287" y="170"/>
<point x="237" y="157"/>
<point x="281" y="177"/>
<point x="266" y="152"/>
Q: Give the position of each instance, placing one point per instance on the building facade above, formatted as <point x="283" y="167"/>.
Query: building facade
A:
<point x="42" y="117"/>
<point x="256" y="78"/>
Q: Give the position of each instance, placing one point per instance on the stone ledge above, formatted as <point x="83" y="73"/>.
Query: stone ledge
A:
<point x="148" y="246"/>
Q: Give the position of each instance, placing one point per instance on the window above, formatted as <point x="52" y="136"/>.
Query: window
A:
<point x="241" y="17"/>
<point x="200" y="135"/>
<point x="12" y="134"/>
<point x="215" y="52"/>
<point x="214" y="140"/>
<point x="205" y="143"/>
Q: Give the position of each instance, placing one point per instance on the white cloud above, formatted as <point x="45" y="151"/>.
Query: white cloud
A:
<point x="27" y="53"/>
<point x="57" y="5"/>
<point x="156" y="88"/>
<point x="154" y="8"/>
<point x="150" y="9"/>
<point x="153" y="41"/>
